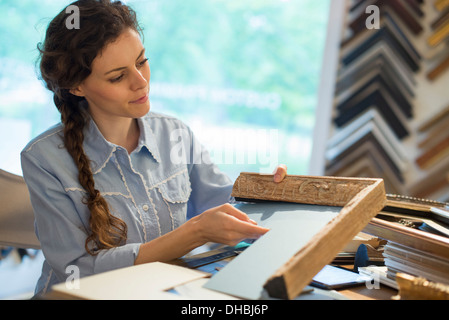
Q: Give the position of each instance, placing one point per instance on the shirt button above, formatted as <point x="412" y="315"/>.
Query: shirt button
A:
<point x="145" y="207"/>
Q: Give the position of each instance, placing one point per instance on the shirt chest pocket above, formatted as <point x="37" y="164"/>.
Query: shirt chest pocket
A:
<point x="175" y="193"/>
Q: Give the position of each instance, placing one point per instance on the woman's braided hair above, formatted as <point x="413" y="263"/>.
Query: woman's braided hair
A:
<point x="66" y="58"/>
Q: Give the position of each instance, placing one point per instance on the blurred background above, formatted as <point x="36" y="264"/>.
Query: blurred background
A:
<point x="229" y="69"/>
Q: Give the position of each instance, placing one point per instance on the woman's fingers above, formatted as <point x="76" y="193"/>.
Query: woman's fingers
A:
<point x="280" y="172"/>
<point x="242" y="224"/>
<point x="226" y="224"/>
<point x="248" y="229"/>
<point x="233" y="211"/>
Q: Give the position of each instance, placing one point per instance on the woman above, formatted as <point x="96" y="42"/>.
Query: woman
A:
<point x="108" y="186"/>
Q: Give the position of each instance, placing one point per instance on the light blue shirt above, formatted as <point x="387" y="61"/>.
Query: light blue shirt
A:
<point x="167" y="179"/>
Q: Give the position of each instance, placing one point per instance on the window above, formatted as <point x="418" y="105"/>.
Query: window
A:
<point x="243" y="74"/>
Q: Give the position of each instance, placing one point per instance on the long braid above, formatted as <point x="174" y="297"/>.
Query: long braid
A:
<point x="101" y="236"/>
<point x="65" y="62"/>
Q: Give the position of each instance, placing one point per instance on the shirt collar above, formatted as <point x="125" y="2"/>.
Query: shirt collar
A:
<point x="99" y="150"/>
<point x="148" y="140"/>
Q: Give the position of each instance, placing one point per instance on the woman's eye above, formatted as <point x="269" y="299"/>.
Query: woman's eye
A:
<point x="120" y="77"/>
<point x="143" y="62"/>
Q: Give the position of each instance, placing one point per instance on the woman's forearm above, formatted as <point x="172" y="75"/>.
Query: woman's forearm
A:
<point x="170" y="246"/>
<point x="223" y="224"/>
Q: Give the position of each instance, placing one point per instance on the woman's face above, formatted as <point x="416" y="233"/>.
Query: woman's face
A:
<point x="118" y="86"/>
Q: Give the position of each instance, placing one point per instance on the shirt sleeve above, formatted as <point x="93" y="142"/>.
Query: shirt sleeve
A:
<point x="210" y="186"/>
<point x="60" y="224"/>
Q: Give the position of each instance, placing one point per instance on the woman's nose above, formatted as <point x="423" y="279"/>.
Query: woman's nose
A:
<point x="138" y="80"/>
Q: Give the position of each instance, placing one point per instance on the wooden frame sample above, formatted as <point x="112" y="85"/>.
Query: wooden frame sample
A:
<point x="369" y="126"/>
<point x="374" y="96"/>
<point x="417" y="239"/>
<point x="366" y="162"/>
<point x="385" y="35"/>
<point x="410" y="237"/>
<point x="417" y="288"/>
<point x="360" y="198"/>
<point x="393" y="63"/>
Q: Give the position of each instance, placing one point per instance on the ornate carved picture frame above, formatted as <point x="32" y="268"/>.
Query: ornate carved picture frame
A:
<point x="360" y="200"/>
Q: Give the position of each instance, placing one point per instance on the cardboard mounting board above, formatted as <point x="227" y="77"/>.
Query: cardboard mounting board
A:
<point x="283" y="261"/>
<point x="150" y="281"/>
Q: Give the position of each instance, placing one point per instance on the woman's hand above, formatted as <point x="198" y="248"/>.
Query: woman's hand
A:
<point x="227" y="225"/>
<point x="280" y="172"/>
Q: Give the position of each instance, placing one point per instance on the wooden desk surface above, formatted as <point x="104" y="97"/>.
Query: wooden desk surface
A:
<point x="363" y="293"/>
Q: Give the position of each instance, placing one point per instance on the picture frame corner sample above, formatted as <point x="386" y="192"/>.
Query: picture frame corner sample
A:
<point x="360" y="200"/>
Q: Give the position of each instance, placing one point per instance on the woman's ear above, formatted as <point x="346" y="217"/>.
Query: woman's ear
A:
<point x="77" y="91"/>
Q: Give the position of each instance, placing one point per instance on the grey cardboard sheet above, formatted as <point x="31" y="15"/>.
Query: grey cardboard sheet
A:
<point x="291" y="227"/>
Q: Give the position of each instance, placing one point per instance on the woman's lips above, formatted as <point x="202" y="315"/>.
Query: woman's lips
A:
<point x="141" y="100"/>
